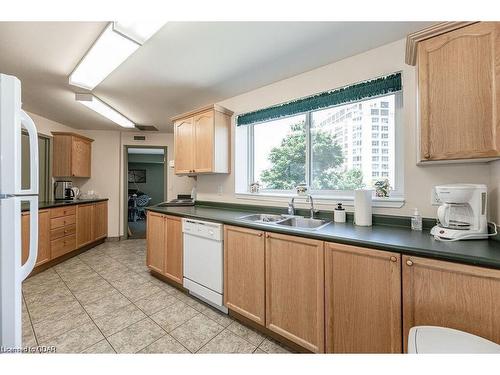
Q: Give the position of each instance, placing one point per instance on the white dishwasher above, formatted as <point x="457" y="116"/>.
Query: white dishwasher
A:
<point x="204" y="261"/>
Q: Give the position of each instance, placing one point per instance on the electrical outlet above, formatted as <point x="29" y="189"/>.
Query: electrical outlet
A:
<point x="435" y="201"/>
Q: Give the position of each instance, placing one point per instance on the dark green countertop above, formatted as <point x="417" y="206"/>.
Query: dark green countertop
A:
<point x="395" y="238"/>
<point x="53" y="204"/>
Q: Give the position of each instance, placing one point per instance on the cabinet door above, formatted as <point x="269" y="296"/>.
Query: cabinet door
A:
<point x="362" y="300"/>
<point x="295" y="289"/>
<point x="458" y="73"/>
<point x="84" y="225"/>
<point x="204" y="142"/>
<point x="184" y="146"/>
<point x="155" y="256"/>
<point x="244" y="272"/>
<point x="61" y="156"/>
<point x="80" y="157"/>
<point x="100" y="220"/>
<point x="43" y="254"/>
<point x="174" y="253"/>
<point x="452" y="295"/>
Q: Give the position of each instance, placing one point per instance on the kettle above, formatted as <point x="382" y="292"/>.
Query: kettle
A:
<point x="75" y="192"/>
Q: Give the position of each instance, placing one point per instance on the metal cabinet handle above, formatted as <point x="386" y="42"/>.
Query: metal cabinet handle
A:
<point x="427" y="155"/>
<point x="394" y="259"/>
<point x="409" y="263"/>
<point x="268" y="235"/>
<point x="260" y="234"/>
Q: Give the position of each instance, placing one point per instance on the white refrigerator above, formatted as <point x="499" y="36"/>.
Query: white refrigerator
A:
<point x="12" y="121"/>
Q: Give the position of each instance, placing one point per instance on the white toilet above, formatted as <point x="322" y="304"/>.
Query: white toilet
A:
<point x="430" y="339"/>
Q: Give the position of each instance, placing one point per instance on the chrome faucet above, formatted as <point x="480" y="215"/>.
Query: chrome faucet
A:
<point x="310" y="200"/>
<point x="291" y="206"/>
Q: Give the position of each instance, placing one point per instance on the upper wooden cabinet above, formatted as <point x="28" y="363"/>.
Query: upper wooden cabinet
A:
<point x="295" y="293"/>
<point x="459" y="104"/>
<point x="446" y="294"/>
<point x="244" y="272"/>
<point x="202" y="141"/>
<point x="71" y="155"/>
<point x="362" y="300"/>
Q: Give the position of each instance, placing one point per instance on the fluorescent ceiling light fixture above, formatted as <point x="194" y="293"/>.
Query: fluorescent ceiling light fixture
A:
<point x="106" y="54"/>
<point x="97" y="105"/>
<point x="139" y="31"/>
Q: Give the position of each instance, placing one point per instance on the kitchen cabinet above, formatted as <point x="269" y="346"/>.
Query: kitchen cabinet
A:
<point x="100" y="220"/>
<point x="173" y="253"/>
<point x="202" y="141"/>
<point x="244" y="272"/>
<point x="72" y="154"/>
<point x="84" y="224"/>
<point x="164" y="246"/>
<point x="295" y="289"/>
<point x="459" y="103"/>
<point x="155" y="256"/>
<point x="452" y="295"/>
<point x="43" y="254"/>
<point x="362" y="300"/>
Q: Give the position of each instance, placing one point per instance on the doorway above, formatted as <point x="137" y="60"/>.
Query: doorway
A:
<point x="145" y="185"/>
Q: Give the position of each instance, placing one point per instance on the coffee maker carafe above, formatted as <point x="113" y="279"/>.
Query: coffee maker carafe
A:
<point x="462" y="214"/>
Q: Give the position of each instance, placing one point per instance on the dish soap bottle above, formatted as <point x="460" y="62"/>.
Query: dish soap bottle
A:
<point x="416" y="220"/>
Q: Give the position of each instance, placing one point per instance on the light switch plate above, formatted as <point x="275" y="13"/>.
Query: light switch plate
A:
<point x="171" y="164"/>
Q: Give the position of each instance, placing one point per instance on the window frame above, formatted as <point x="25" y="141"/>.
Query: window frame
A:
<point x="242" y="188"/>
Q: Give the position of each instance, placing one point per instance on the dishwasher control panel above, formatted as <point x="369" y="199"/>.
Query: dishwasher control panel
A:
<point x="203" y="229"/>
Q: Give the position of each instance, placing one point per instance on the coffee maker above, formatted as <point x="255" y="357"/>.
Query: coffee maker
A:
<point x="462" y="214"/>
<point x="63" y="190"/>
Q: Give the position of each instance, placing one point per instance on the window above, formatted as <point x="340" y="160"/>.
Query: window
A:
<point x="384" y="112"/>
<point x="324" y="149"/>
<point x="384" y="104"/>
<point x="385" y="128"/>
<point x="385" y="143"/>
<point x="385" y="120"/>
<point x="374" y="119"/>
<point x="280" y="153"/>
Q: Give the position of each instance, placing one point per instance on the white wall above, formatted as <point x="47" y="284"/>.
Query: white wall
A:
<point x="107" y="166"/>
<point x="387" y="59"/>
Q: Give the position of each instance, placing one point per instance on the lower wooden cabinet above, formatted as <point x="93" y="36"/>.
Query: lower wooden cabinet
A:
<point x="452" y="295"/>
<point x="155" y="255"/>
<point x="244" y="272"/>
<point x="84" y="225"/>
<point x="43" y="255"/>
<point x="100" y="220"/>
<point x="174" y="253"/>
<point x="295" y="289"/>
<point x="164" y="245"/>
<point x="64" y="229"/>
<point x="362" y="300"/>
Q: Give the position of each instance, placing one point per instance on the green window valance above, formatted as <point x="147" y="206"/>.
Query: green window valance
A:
<point x="358" y="91"/>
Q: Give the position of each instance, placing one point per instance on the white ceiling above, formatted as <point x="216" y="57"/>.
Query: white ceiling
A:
<point x="184" y="66"/>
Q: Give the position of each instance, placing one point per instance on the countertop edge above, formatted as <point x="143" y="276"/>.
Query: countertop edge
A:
<point x="54" y="204"/>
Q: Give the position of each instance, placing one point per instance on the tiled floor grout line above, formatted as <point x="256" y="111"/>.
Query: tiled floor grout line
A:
<point x="86" y="312"/>
<point x="31" y="321"/>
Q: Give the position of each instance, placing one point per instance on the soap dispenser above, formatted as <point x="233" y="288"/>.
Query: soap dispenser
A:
<point x="339" y="214"/>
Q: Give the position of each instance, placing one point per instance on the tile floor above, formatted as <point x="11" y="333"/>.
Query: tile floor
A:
<point x="105" y="301"/>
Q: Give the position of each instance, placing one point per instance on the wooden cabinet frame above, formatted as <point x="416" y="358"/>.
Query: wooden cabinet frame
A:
<point x="72" y="155"/>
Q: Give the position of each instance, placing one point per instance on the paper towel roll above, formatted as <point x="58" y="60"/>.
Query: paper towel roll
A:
<point x="363" y="207"/>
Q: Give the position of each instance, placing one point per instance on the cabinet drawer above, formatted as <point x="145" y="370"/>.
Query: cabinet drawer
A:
<point x="59" y="222"/>
<point x="63" y="245"/>
<point x="62" y="211"/>
<point x="62" y="231"/>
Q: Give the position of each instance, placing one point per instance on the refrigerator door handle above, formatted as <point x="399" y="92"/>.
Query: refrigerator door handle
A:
<point x="30" y="127"/>
<point x="27" y="267"/>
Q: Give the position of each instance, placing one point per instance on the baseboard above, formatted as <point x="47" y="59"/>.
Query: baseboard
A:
<point x="113" y="239"/>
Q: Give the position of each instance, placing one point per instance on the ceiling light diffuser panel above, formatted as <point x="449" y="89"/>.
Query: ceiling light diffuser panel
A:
<point x="116" y="43"/>
<point x="97" y="105"/>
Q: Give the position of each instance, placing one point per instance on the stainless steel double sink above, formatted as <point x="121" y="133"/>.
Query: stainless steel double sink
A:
<point x="287" y="221"/>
